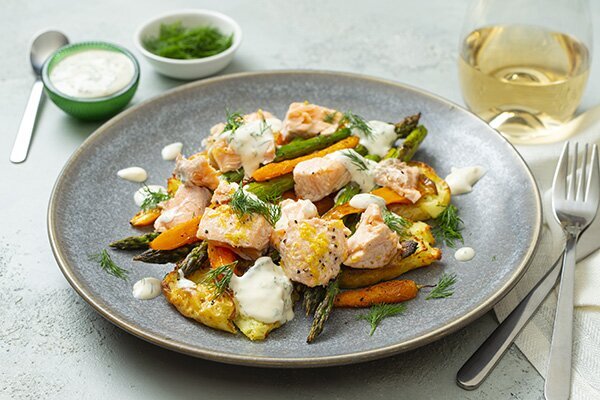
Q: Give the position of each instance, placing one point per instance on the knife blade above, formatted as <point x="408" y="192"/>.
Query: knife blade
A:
<point x="482" y="362"/>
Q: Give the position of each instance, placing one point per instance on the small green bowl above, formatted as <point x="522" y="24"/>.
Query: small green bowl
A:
<point x="96" y="108"/>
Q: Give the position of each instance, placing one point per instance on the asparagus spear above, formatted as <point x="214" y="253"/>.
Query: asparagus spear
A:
<point x="165" y="256"/>
<point x="234" y="176"/>
<point x="407" y="125"/>
<point x="299" y="148"/>
<point x="347" y="192"/>
<point x="373" y="157"/>
<point x="362" y="150"/>
<point x="411" y="143"/>
<point x="194" y="259"/>
<point x="271" y="189"/>
<point x="323" y="311"/>
<point x="134" y="242"/>
<point x="312" y="298"/>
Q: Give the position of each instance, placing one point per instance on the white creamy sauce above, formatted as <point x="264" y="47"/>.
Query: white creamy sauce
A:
<point x="133" y="174"/>
<point x="363" y="200"/>
<point x="464" y="254"/>
<point x="140" y="195"/>
<point x="146" y="289"/>
<point x="171" y="151"/>
<point x="253" y="142"/>
<point x="264" y="292"/>
<point x="363" y="177"/>
<point x="381" y="139"/>
<point x="461" y="180"/>
<point x="183" y="282"/>
<point x="92" y="73"/>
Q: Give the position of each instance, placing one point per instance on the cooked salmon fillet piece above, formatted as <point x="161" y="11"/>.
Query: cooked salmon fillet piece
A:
<point x="292" y="211"/>
<point x="400" y="177"/>
<point x="224" y="225"/>
<point x="373" y="244"/>
<point x="223" y="192"/>
<point x="196" y="170"/>
<point x="188" y="202"/>
<point x="307" y="120"/>
<point x="318" y="177"/>
<point x="313" y="250"/>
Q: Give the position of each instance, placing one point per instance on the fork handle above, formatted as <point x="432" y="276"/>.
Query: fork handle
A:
<point x="558" y="377"/>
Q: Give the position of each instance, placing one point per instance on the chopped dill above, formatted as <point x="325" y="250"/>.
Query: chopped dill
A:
<point x="356" y="121"/>
<point x="152" y="199"/>
<point x="444" y="287"/>
<point x="356" y="159"/>
<point x="493" y="258"/>
<point x="448" y="226"/>
<point x="379" y="312"/>
<point x="244" y="203"/>
<point x="234" y="121"/>
<point x="395" y="222"/>
<point x="330" y="117"/>
<point x="220" y="277"/>
<point x="347" y="193"/>
<point x="108" y="265"/>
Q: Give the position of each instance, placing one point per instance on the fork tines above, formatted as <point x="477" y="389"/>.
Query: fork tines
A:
<point x="571" y="185"/>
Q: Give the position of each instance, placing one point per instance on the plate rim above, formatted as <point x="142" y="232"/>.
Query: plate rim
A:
<point x="269" y="361"/>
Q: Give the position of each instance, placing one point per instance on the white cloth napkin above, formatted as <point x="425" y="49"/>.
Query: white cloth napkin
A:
<point x="534" y="340"/>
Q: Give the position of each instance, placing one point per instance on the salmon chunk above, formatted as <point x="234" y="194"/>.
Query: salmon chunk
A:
<point x="307" y="120"/>
<point x="188" y="202"/>
<point x="223" y="192"/>
<point x="224" y="156"/>
<point x="313" y="250"/>
<point x="196" y="170"/>
<point x="319" y="177"/>
<point x="400" y="177"/>
<point x="292" y="211"/>
<point x="374" y="244"/>
<point x="224" y="225"/>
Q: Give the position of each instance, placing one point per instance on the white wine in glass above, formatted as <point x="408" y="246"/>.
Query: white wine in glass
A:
<point x="524" y="79"/>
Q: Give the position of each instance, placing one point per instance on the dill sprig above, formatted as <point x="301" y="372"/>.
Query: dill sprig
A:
<point x="152" y="199"/>
<point x="395" y="222"/>
<point x="234" y="121"/>
<point x="356" y="159"/>
<point x="356" y="121"/>
<point x="444" y="287"/>
<point x="379" y="312"/>
<point x="448" y="226"/>
<point x="330" y="117"/>
<point x="108" y="265"/>
<point x="220" y="277"/>
<point x="244" y="203"/>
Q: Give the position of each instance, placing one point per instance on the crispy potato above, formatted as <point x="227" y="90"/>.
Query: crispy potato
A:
<point x="254" y="329"/>
<point x="425" y="255"/>
<point x="172" y="185"/>
<point x="431" y="204"/>
<point x="199" y="303"/>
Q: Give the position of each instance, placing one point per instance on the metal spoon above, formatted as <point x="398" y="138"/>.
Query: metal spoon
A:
<point x="41" y="48"/>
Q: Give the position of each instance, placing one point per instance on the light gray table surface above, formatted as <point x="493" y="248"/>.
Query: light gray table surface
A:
<point x="53" y="345"/>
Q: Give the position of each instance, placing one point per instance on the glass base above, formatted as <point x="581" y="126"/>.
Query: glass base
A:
<point x="523" y="127"/>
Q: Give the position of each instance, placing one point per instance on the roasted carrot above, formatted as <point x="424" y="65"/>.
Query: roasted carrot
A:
<point x="339" y="212"/>
<point x="219" y="255"/>
<point x="172" y="185"/>
<point x="390" y="196"/>
<point x="384" y="292"/>
<point x="177" y="236"/>
<point x="274" y="170"/>
<point x="387" y="194"/>
<point x="145" y="217"/>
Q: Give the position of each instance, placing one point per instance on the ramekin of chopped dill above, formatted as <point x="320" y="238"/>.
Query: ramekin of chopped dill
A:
<point x="184" y="43"/>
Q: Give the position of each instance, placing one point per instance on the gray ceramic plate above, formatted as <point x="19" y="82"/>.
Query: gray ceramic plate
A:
<point x="90" y="207"/>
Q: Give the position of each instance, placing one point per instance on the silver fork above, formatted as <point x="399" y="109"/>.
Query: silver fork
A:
<point x="575" y="203"/>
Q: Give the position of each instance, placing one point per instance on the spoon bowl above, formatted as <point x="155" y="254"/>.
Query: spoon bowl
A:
<point x="43" y="46"/>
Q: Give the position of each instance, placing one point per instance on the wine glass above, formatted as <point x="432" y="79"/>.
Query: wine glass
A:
<point x="524" y="64"/>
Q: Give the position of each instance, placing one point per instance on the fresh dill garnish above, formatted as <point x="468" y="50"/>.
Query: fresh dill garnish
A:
<point x="359" y="162"/>
<point x="395" y="222"/>
<point x="108" y="265"/>
<point x="356" y="121"/>
<point x="330" y="117"/>
<point x="179" y="42"/>
<point x="152" y="199"/>
<point x="234" y="121"/>
<point x="379" y="312"/>
<point x="220" y="277"/>
<point x="493" y="258"/>
<point x="444" y="287"/>
<point x="244" y="203"/>
<point x="448" y="226"/>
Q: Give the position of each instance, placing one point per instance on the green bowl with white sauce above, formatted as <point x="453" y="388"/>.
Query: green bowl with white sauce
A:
<point x="91" y="80"/>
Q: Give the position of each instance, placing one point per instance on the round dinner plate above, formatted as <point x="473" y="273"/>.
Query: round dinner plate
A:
<point x="90" y="207"/>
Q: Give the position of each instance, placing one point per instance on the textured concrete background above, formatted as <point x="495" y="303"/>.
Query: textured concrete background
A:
<point x="53" y="345"/>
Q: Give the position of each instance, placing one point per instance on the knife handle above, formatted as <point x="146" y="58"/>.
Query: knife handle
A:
<point x="485" y="358"/>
